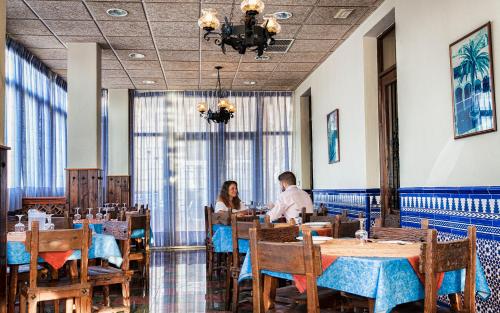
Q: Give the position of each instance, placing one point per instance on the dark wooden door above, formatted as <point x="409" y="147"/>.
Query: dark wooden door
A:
<point x="389" y="147"/>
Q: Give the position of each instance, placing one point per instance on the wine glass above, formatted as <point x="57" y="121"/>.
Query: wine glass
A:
<point x="77" y="215"/>
<point x="361" y="234"/>
<point x="19" y="227"/>
<point x="98" y="216"/>
<point x="89" y="215"/>
<point x="50" y="225"/>
<point x="106" y="209"/>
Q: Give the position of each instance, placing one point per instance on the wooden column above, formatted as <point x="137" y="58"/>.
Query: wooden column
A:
<point x="119" y="189"/>
<point x="83" y="188"/>
<point x="4" y="208"/>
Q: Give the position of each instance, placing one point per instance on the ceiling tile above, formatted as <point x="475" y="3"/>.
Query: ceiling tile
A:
<point x="282" y="82"/>
<point x="172" y="87"/>
<point x="60" y="10"/>
<point x="299" y="13"/>
<point x="137" y="65"/>
<point x="325" y="15"/>
<point x="107" y="54"/>
<point x="223" y="10"/>
<point x="288" y="31"/>
<point x="114" y="28"/>
<point x="219" y="56"/>
<point x="322" y="31"/>
<point x="273" y="57"/>
<point x="126" y="43"/>
<point x="337" y="44"/>
<point x="177" y="43"/>
<point x="157" y="86"/>
<point x="253" y="75"/>
<point x="62" y="73"/>
<point x="38" y="41"/>
<point x="50" y="54"/>
<point x="343" y="3"/>
<point x="117" y="80"/>
<point x="149" y="55"/>
<point x="257" y="67"/>
<point x="182" y="74"/>
<point x="135" y="11"/>
<point x="172" y="29"/>
<point x="226" y="67"/>
<point x="181" y="66"/>
<point x="27" y="27"/>
<point x="73" y="28"/>
<point x="303" y="57"/>
<point x="245" y="83"/>
<point x="301" y="45"/>
<point x="288" y="75"/>
<point x="290" y="2"/>
<point x="111" y="65"/>
<point x="113" y="73"/>
<point x="298" y="67"/>
<point x="212" y="74"/>
<point x="180" y="82"/>
<point x="149" y="73"/>
<point x="56" y="64"/>
<point x="179" y="55"/>
<point x="172" y="11"/>
<point x="211" y="46"/>
<point x="99" y="39"/>
<point x="18" y="9"/>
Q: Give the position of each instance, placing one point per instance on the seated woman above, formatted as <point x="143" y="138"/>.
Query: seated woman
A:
<point x="228" y="199"/>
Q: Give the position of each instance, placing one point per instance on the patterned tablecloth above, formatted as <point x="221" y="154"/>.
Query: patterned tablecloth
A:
<point x="390" y="281"/>
<point x="103" y="246"/>
<point x="98" y="228"/>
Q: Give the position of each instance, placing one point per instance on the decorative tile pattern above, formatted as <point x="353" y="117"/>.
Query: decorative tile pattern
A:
<point x="356" y="201"/>
<point x="450" y="211"/>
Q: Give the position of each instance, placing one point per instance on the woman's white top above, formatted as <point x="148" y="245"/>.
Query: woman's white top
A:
<point x="220" y="206"/>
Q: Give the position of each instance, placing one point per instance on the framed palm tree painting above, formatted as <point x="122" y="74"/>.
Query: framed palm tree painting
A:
<point x="332" y="122"/>
<point x="473" y="92"/>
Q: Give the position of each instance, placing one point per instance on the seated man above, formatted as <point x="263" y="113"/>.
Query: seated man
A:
<point x="292" y="199"/>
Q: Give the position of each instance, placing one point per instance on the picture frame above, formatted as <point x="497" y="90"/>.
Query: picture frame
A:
<point x="333" y="136"/>
<point x="472" y="83"/>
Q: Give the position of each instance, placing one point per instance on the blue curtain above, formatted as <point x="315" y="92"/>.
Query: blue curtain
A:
<point x="104" y="142"/>
<point x="180" y="160"/>
<point x="36" y="111"/>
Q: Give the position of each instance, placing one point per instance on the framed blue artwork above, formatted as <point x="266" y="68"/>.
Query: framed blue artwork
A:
<point x="473" y="90"/>
<point x="332" y="122"/>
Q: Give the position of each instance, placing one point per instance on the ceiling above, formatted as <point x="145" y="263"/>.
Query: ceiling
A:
<point x="176" y="55"/>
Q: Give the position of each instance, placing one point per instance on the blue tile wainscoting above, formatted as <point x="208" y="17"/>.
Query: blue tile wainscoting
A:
<point x="356" y="201"/>
<point x="450" y="210"/>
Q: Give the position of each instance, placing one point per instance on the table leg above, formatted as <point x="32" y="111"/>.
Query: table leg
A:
<point x="269" y="293"/>
<point x="455" y="302"/>
<point x="14" y="269"/>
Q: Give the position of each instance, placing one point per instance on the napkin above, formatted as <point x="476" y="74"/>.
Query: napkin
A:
<point x="301" y="281"/>
<point x="56" y="259"/>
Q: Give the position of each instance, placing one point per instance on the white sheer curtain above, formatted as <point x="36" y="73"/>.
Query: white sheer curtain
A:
<point x="180" y="160"/>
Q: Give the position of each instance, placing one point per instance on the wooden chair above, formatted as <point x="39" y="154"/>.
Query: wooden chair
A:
<point x="305" y="216"/>
<point x="57" y="241"/>
<point x="213" y="259"/>
<point x="298" y="258"/>
<point x="321" y="211"/>
<point x="105" y="275"/>
<point x="240" y="227"/>
<point x="439" y="257"/>
<point x="140" y="248"/>
<point x="405" y="234"/>
<point x="345" y="228"/>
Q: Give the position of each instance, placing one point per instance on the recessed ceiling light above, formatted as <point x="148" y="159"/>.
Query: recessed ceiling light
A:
<point x="249" y="82"/>
<point x="282" y="15"/>
<point x="135" y="55"/>
<point x="148" y="82"/>
<point x="262" y="58"/>
<point x="343" y="13"/>
<point x="116" y="12"/>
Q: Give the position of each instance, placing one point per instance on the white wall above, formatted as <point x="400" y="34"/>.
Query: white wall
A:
<point x="429" y="155"/>
<point x="347" y="80"/>
<point x="84" y="105"/>
<point x="118" y="133"/>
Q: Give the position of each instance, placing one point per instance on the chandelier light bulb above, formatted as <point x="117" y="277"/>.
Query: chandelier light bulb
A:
<point x="271" y="24"/>
<point x="208" y="20"/>
<point x="202" y="107"/>
<point x="231" y="108"/>
<point x="224" y="103"/>
<point x="252" y="6"/>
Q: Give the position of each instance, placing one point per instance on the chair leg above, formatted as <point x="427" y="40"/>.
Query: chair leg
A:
<point x="32" y="304"/>
<point x="22" y="303"/>
<point x="69" y="305"/>
<point x="78" y="305"/>
<point x="126" y="293"/>
<point x="56" y="306"/>
<point x="12" y="287"/>
<point x="86" y="304"/>
<point x="228" y="284"/>
<point x="105" y="292"/>
<point x="147" y="263"/>
<point x="236" y="296"/>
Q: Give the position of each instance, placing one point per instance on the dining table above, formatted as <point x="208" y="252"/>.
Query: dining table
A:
<point x="385" y="271"/>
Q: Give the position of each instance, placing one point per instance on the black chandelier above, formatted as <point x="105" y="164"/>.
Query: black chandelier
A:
<point x="241" y="37"/>
<point x="225" y="110"/>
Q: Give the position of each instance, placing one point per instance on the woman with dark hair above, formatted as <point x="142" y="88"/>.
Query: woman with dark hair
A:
<point x="228" y="198"/>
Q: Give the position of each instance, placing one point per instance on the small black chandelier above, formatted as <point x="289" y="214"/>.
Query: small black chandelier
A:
<point x="225" y="110"/>
<point x="241" y="37"/>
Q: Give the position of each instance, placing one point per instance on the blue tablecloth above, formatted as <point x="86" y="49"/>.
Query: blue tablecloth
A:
<point x="223" y="241"/>
<point x="390" y="281"/>
<point x="103" y="246"/>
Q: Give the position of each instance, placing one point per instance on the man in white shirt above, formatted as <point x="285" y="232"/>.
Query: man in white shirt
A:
<point x="292" y="199"/>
